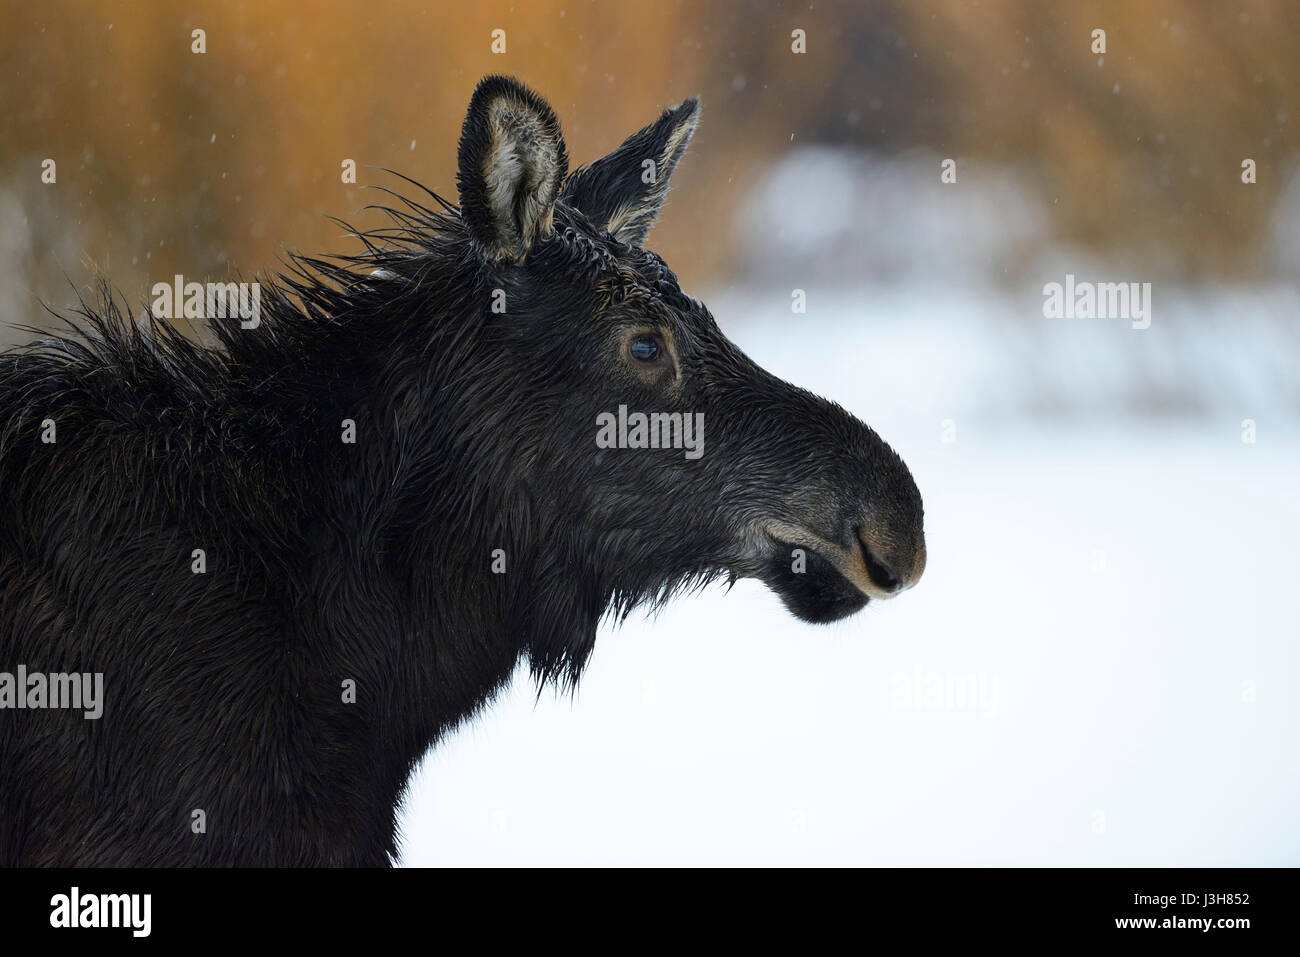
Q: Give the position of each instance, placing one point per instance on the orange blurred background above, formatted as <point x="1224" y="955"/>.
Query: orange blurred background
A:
<point x="171" y="161"/>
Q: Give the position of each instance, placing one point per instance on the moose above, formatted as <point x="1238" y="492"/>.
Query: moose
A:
<point x="299" y="553"/>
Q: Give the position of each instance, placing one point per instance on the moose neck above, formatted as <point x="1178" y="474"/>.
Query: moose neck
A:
<point x="426" y="491"/>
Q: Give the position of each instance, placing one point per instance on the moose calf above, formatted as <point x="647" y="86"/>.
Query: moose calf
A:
<point x="300" y="556"/>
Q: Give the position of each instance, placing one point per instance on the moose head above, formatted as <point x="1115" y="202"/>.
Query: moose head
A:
<point x="661" y="454"/>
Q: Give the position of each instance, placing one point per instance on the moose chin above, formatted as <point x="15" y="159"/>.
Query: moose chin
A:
<point x="303" y="552"/>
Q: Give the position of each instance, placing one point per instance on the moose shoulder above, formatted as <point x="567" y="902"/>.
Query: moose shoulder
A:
<point x="300" y="556"/>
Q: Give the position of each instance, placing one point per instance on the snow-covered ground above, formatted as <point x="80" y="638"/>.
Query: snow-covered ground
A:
<point x="1099" y="666"/>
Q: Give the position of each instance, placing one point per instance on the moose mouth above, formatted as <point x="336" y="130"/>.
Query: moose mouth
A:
<point x="819" y="580"/>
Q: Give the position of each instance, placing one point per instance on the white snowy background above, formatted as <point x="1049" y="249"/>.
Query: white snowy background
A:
<point x="1112" y="573"/>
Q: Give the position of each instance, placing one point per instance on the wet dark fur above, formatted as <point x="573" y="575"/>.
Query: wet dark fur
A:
<point x="372" y="562"/>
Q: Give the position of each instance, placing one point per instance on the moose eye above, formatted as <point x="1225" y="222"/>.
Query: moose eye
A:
<point x="646" y="348"/>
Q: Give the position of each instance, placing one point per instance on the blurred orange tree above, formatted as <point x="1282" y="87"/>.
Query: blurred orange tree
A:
<point x="173" y="161"/>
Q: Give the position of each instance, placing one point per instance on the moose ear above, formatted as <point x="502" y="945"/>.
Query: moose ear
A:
<point x="622" y="192"/>
<point x="512" y="162"/>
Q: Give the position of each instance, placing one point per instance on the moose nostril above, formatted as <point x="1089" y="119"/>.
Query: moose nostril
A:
<point x="879" y="571"/>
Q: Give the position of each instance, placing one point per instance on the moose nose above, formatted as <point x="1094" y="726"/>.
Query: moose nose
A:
<point x="891" y="568"/>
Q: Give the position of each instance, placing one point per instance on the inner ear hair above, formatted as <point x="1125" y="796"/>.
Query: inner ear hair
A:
<point x="512" y="163"/>
<point x="616" y="192"/>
